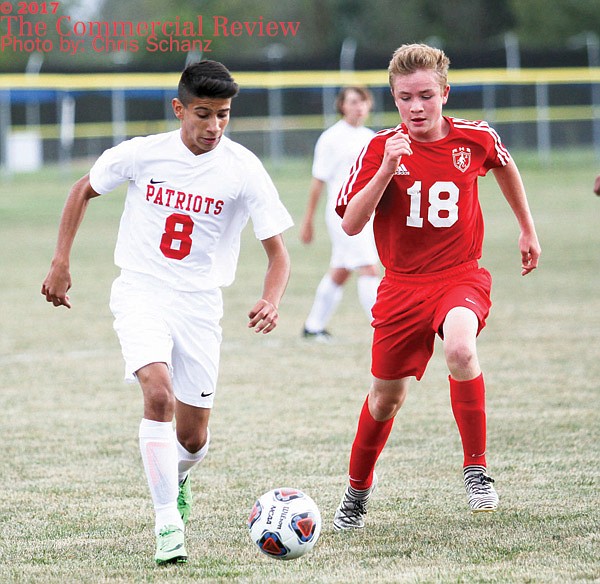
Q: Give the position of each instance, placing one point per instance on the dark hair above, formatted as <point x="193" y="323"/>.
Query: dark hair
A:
<point x="206" y="79"/>
<point x="363" y="92"/>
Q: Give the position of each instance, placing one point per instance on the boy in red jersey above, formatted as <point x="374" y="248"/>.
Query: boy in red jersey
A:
<point x="420" y="181"/>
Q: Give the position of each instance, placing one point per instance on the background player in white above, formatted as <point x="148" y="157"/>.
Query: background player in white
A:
<point x="190" y="193"/>
<point x="335" y="152"/>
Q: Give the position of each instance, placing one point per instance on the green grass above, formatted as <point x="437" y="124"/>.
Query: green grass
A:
<point x="74" y="506"/>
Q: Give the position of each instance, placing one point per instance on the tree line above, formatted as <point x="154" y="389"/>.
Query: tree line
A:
<point x="328" y="33"/>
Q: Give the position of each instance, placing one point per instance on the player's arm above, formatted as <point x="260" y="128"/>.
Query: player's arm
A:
<point x="511" y="185"/>
<point x="264" y="314"/>
<point x="314" y="195"/>
<point x="363" y="204"/>
<point x="597" y="185"/>
<point x="58" y="281"/>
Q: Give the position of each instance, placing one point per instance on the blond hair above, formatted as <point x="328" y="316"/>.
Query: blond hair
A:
<point x="410" y="58"/>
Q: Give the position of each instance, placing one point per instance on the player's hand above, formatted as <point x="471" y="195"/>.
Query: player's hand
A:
<point x="597" y="185"/>
<point x="396" y="147"/>
<point x="263" y="317"/>
<point x="530" y="253"/>
<point x="307" y="232"/>
<point x="56" y="285"/>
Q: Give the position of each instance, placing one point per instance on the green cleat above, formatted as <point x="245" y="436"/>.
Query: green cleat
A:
<point x="170" y="546"/>
<point x="184" y="499"/>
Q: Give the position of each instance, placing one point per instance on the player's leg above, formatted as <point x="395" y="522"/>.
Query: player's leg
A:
<point x="367" y="284"/>
<point x="467" y="396"/>
<point x="327" y="298"/>
<point x="375" y="423"/>
<point x="159" y="455"/>
<point x="402" y="346"/>
<point x="383" y="402"/>
<point x="193" y="435"/>
<point x="330" y="289"/>
<point x="193" y="441"/>
<point x="360" y="254"/>
<point x="460" y="329"/>
<point x="157" y="390"/>
<point x="146" y="345"/>
<point x="196" y="355"/>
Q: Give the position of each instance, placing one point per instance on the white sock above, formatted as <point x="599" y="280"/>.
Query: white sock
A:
<point x="367" y="293"/>
<point x="327" y="298"/>
<point x="159" y="455"/>
<point x="188" y="460"/>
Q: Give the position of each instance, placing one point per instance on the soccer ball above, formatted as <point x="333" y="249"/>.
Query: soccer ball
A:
<point x="284" y="523"/>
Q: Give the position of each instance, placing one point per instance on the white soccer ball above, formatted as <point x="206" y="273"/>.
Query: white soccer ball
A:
<point x="285" y="523"/>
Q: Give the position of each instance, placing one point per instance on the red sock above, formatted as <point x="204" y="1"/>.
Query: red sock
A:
<point x="370" y="439"/>
<point x="468" y="406"/>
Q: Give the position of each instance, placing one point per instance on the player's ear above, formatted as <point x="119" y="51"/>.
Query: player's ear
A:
<point x="178" y="108"/>
<point x="445" y="93"/>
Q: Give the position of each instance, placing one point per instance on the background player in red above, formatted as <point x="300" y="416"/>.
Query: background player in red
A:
<point x="190" y="193"/>
<point x="420" y="181"/>
<point x="335" y="152"/>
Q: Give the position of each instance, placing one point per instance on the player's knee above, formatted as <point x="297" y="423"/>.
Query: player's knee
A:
<point x="159" y="402"/>
<point x="460" y="357"/>
<point x="339" y="276"/>
<point x="384" y="406"/>
<point x="190" y="446"/>
<point x="193" y="442"/>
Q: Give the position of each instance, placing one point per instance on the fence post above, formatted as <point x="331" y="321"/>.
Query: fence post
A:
<point x="596" y="117"/>
<point x="328" y="97"/>
<point x="167" y="103"/>
<point x="275" y="52"/>
<point x="489" y="102"/>
<point x="544" y="142"/>
<point x="67" y="127"/>
<point x="5" y="123"/>
<point x="119" y="129"/>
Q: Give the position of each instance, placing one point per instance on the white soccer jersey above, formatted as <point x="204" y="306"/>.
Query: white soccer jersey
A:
<point x="336" y="151"/>
<point x="184" y="213"/>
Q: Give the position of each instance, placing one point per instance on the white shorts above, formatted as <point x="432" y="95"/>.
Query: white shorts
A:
<point x="157" y="324"/>
<point x="350" y="252"/>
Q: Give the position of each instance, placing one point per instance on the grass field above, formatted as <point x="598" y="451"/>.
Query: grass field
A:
<point x="74" y="505"/>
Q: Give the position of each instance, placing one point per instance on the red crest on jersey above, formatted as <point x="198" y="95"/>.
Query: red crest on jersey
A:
<point x="461" y="158"/>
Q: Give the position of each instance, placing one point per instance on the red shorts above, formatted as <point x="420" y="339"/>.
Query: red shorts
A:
<point x="410" y="310"/>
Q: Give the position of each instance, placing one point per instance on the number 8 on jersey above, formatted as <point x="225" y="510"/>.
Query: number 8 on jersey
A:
<point x="176" y="241"/>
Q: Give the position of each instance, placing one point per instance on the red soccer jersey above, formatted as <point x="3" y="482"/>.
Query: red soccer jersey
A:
<point x="429" y="218"/>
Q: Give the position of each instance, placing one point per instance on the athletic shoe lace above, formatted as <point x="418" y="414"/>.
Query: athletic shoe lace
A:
<point x="479" y="484"/>
<point x="354" y="507"/>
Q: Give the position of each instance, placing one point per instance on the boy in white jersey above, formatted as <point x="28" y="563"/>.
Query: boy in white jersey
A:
<point x="190" y="194"/>
<point x="335" y="152"/>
